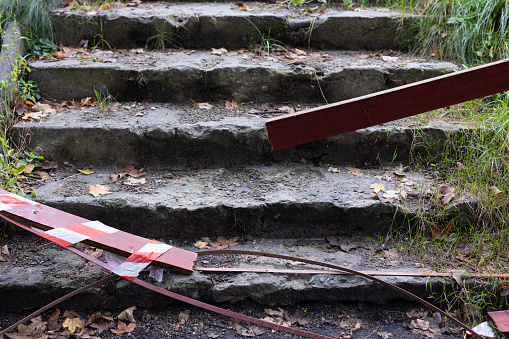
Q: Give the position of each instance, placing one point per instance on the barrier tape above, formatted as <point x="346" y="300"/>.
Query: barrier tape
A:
<point x="69" y="235"/>
<point x="154" y="249"/>
<point x="133" y="265"/>
<point x="176" y="296"/>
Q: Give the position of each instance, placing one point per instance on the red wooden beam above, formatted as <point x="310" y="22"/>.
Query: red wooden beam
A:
<point x="122" y="243"/>
<point x="400" y="102"/>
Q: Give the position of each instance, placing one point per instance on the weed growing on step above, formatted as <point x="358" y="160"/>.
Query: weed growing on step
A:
<point x="99" y="38"/>
<point x="105" y="100"/>
<point x="267" y="43"/>
<point x="162" y="39"/>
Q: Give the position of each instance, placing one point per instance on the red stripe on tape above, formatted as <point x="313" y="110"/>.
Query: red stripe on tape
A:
<point x="85" y="230"/>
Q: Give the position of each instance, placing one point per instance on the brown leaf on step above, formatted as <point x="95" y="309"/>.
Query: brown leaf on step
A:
<point x="399" y="171"/>
<point x="504" y="289"/>
<point x="117" y="176"/>
<point x="222" y="242"/>
<point x="29" y="168"/>
<point x="377" y="188"/>
<point x="457" y="276"/>
<point x="2" y="258"/>
<point x="182" y="318"/>
<point x="448" y="193"/>
<point x="46" y="108"/>
<point x="417" y="314"/>
<point x="68" y="104"/>
<point x="190" y="51"/>
<point x="462" y="257"/>
<point x="89" y="101"/>
<point x="300" y="52"/>
<point x="48" y="165"/>
<point x="204" y="105"/>
<point x="496" y="192"/>
<point x="131" y="171"/>
<point x="355" y="171"/>
<point x="286" y="56"/>
<point x="127" y="314"/>
<point x="122" y="328"/>
<point x="98" y="190"/>
<point x="4" y="250"/>
<point x="133" y="3"/>
<point x="43" y="176"/>
<point x="445" y="233"/>
<point x="86" y="171"/>
<point x="333" y="169"/>
<point x="380" y="197"/>
<point x="218" y="51"/>
<point x="202" y="245"/>
<point x="342" y="242"/>
<point x="298" y="316"/>
<point x="287" y="109"/>
<point x="231" y="104"/>
<point x="384" y="335"/>
<point x="73" y="324"/>
<point x="437" y="54"/>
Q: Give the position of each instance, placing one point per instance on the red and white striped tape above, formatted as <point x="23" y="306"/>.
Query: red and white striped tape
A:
<point x="133" y="265"/>
<point x="68" y="235"/>
<point x="8" y="201"/>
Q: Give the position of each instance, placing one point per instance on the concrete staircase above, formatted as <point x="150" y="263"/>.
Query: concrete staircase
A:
<point x="211" y="172"/>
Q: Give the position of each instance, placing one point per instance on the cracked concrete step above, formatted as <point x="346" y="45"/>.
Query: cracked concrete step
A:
<point x="259" y="201"/>
<point x="179" y="77"/>
<point x="38" y="272"/>
<point x="217" y="25"/>
<point x="184" y="136"/>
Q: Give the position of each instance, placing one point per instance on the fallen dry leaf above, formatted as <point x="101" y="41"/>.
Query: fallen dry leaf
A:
<point x="218" y="51"/>
<point x="448" y="193"/>
<point x="4" y="250"/>
<point x="445" y="233"/>
<point x="123" y="328"/>
<point x="127" y="314"/>
<point x="182" y="318"/>
<point x="333" y="170"/>
<point x="89" y="101"/>
<point x="354" y="171"/>
<point x="496" y="192"/>
<point x="73" y="324"/>
<point x="381" y="197"/>
<point x="29" y="168"/>
<point x="43" y="176"/>
<point x="300" y="52"/>
<point x="86" y="172"/>
<point x="377" y="187"/>
<point x="222" y="242"/>
<point x="99" y="190"/>
<point x="202" y="245"/>
<point x="384" y="335"/>
<point x="205" y="105"/>
<point x="231" y="104"/>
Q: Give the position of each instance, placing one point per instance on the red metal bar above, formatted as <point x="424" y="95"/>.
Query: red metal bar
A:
<point x="389" y="105"/>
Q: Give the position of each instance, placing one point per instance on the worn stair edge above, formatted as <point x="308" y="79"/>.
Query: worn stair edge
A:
<point x="177" y="77"/>
<point x="152" y="135"/>
<point x="273" y="202"/>
<point x="205" y="25"/>
<point x="58" y="272"/>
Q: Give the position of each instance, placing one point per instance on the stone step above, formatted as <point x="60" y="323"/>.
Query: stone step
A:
<point x="37" y="272"/>
<point x="178" y="77"/>
<point x="185" y="136"/>
<point x="299" y="201"/>
<point x="216" y="25"/>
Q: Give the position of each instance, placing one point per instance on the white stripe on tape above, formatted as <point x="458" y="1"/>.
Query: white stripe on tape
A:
<point x="4" y="207"/>
<point x="154" y="248"/>
<point x="100" y="226"/>
<point x="67" y="235"/>
<point x="129" y="269"/>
